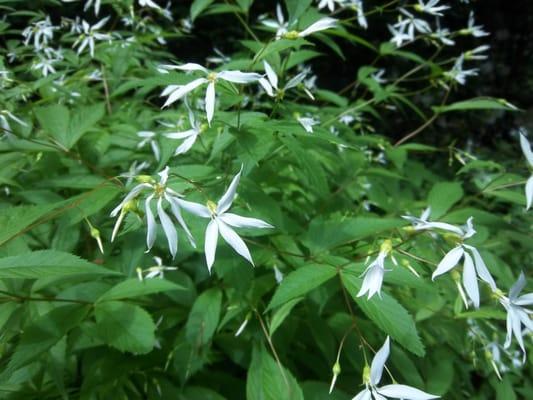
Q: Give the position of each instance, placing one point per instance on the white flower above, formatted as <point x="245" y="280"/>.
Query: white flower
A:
<point x="357" y="5"/>
<point x="157" y="270"/>
<point x="442" y="34"/>
<point x="399" y="35"/>
<point x="160" y="192"/>
<point x="430" y="8"/>
<point x="150" y="4"/>
<point x="307" y="123"/>
<point x="270" y="83"/>
<point x="280" y="25"/>
<point x="458" y="74"/>
<point x="189" y="135"/>
<point x="378" y="76"/>
<point x="89" y="3"/>
<point x="472" y="29"/>
<point x="134" y="170"/>
<point x="320" y="25"/>
<point x="423" y="223"/>
<point x="221" y="222"/>
<point x="372" y="378"/>
<point x="176" y="92"/>
<point x="330" y="4"/>
<point x="526" y="149"/>
<point x="412" y="24"/>
<point x="41" y="32"/>
<point x="375" y="271"/>
<point x="517" y="314"/>
<point x="90" y="34"/>
<point x="148" y="137"/>
<point x="473" y="266"/>
<point x="476" y="54"/>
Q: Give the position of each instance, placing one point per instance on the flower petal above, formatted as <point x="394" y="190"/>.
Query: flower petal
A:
<point x="295" y="81"/>
<point x="239" y="77"/>
<point x="186" y="145"/>
<point x="183" y="90"/>
<point x="481" y="268"/>
<point x="470" y="280"/>
<point x="449" y="261"/>
<point x="234" y="241"/>
<point x="364" y="395"/>
<point x="210" y="247"/>
<point x="529" y="192"/>
<point x="320" y="25"/>
<point x="194" y="208"/>
<point x="188" y="67"/>
<point x="168" y="228"/>
<point x="174" y="205"/>
<point x="517" y="287"/>
<point x="227" y="198"/>
<point x="210" y="102"/>
<point x="180" y="135"/>
<point x="151" y="230"/>
<point x="271" y="74"/>
<point x="378" y="362"/>
<point x="405" y="392"/>
<point x="243" y="222"/>
<point x="526" y="149"/>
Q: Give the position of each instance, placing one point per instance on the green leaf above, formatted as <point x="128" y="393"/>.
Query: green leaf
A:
<point x="135" y="288"/>
<point x="301" y="282"/>
<point x="68" y="127"/>
<point x="198" y="6"/>
<point x="15" y="220"/>
<point x="296" y="8"/>
<point x="480" y="103"/>
<point x="267" y="380"/>
<point x="443" y="196"/>
<point x="124" y="326"/>
<point x="46" y="263"/>
<point x="44" y="332"/>
<point x="282" y="313"/>
<point x="389" y="315"/>
<point x="204" y="316"/>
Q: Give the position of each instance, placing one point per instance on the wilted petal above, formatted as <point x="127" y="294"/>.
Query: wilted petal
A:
<point x="470" y="280"/>
<point x="526" y="149"/>
<point x="194" y="208"/>
<point x="183" y="90"/>
<point x="378" y="362"/>
<point x="529" y="192"/>
<point x="168" y="228"/>
<point x="210" y="247"/>
<point x="271" y="74"/>
<point x="234" y="241"/>
<point x="405" y="392"/>
<point x="238" y="76"/>
<point x="243" y="222"/>
<point x="151" y="230"/>
<point x="210" y="102"/>
<point x="449" y="261"/>
<point x="227" y="198"/>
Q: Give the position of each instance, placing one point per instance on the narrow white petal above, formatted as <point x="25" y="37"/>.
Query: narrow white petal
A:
<point x="509" y="326"/>
<point x="117" y="226"/>
<point x="271" y="74"/>
<point x="150" y="222"/>
<point x="405" y="392"/>
<point x="268" y="88"/>
<point x="174" y="205"/>
<point x="155" y="150"/>
<point x="189" y="67"/>
<point x="227" y="198"/>
<point x="194" y="208"/>
<point x="529" y="192"/>
<point x="169" y="89"/>
<point x="517" y="287"/>
<point x="234" y="241"/>
<point x="243" y="222"/>
<point x="517" y="329"/>
<point x="186" y="145"/>
<point x="132" y="194"/>
<point x="481" y="268"/>
<point x="183" y="90"/>
<point x="320" y="25"/>
<point x="449" y="261"/>
<point x="376" y="369"/>
<point x="526" y="149"/>
<point x="296" y="80"/>
<point x="525" y="300"/>
<point x="470" y="280"/>
<point x="210" y="247"/>
<point x="168" y="228"/>
<point x="210" y="102"/>
<point x="239" y="77"/>
<point x="364" y="395"/>
<point x="180" y="135"/>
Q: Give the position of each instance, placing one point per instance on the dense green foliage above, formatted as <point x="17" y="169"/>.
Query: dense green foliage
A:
<point x="138" y="305"/>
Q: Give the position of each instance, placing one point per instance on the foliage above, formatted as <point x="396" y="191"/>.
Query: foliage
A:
<point x="184" y="222"/>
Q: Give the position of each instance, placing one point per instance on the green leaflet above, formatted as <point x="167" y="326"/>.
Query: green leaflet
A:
<point x="124" y="326"/>
<point x="442" y="197"/>
<point x="281" y="313"/>
<point x="198" y="6"/>
<point x="204" y="317"/>
<point x="134" y="288"/>
<point x="301" y="282"/>
<point x="46" y="263"/>
<point x="480" y="103"/>
<point x="67" y="126"/>
<point x="268" y="381"/>
<point x="387" y="314"/>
